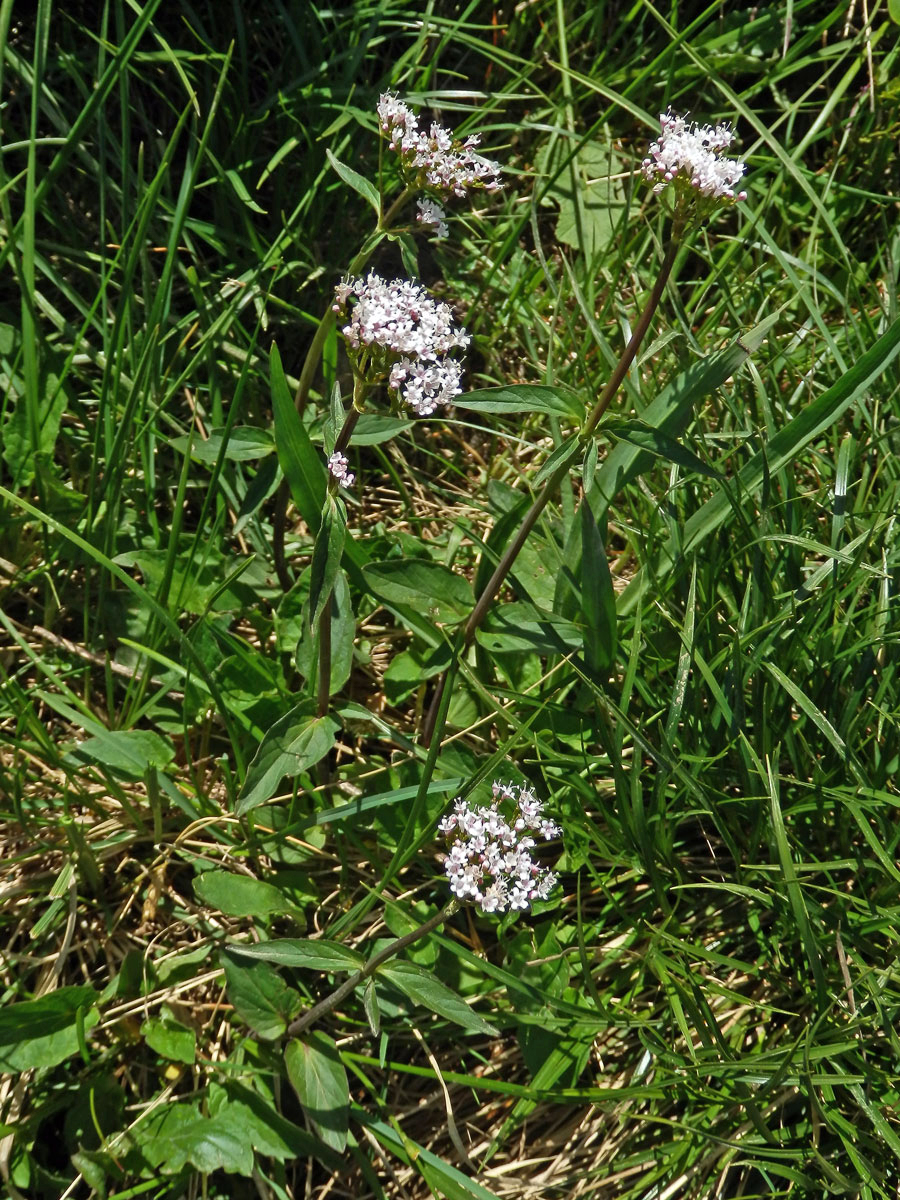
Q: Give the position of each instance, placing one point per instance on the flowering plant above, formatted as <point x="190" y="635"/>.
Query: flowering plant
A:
<point x="490" y="859"/>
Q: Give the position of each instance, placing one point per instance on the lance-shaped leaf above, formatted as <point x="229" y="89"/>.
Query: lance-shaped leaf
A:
<point x="423" y="988"/>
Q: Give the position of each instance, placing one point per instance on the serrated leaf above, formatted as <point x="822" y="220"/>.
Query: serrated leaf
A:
<point x="260" y="996"/>
<point x="296" y="742"/>
<point x="319" y="1078"/>
<point x="239" y="895"/>
<point x="319" y="955"/>
<point x="357" y="182"/>
<point x="429" y="587"/>
<point x="423" y="988"/>
<point x="524" y="398"/>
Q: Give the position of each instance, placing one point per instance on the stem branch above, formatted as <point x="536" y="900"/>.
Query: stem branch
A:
<point x="349" y="985"/>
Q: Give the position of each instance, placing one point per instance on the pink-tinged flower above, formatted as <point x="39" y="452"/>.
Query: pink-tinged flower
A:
<point x="687" y="156"/>
<point x="436" y="159"/>
<point x="489" y="860"/>
<point x="337" y="465"/>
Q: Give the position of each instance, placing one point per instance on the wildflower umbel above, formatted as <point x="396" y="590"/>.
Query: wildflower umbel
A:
<point x="398" y="332"/>
<point x="490" y="859"/>
<point x="687" y="156"/>
<point x="337" y="465"/>
<point x="435" y="159"/>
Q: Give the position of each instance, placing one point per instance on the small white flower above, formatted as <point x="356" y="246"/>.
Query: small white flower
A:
<point x="435" y="159"/>
<point x="432" y="214"/>
<point x="490" y="860"/>
<point x="687" y="155"/>
<point x="338" y="465"/>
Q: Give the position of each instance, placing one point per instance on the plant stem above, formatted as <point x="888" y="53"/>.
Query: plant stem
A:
<point x="307" y="374"/>
<point x="331" y="1002"/>
<point x="492" y="587"/>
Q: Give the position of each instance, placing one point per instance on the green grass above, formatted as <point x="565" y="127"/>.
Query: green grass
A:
<point x="708" y="1005"/>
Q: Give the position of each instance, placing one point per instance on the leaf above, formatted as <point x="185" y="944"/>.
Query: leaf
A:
<point x="175" y="1135"/>
<point x="423" y="988"/>
<point x="260" y="996"/>
<point x="894" y="10"/>
<point x="170" y="1039"/>
<point x="239" y="895"/>
<point x="669" y="413"/>
<point x="445" y="1180"/>
<point x="524" y="398"/>
<point x="318" y="955"/>
<point x="299" y="459"/>
<point x="372" y="429"/>
<point x="326" y="559"/>
<point x="296" y="742"/>
<point x="598" y="599"/>
<point x="244" y="444"/>
<point x="319" y="1078"/>
<point x="268" y="1132"/>
<point x="564" y="453"/>
<point x="357" y="182"/>
<point x="44" y="1032"/>
<point x="660" y="444"/>
<point x="429" y="587"/>
<point x="126" y="752"/>
<point x="591" y="199"/>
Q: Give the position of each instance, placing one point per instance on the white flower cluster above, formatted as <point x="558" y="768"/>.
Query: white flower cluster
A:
<point x="435" y="159"/>
<point x="432" y="214"/>
<point x="337" y="465"/>
<point x="400" y="318"/>
<point x="690" y="153"/>
<point x="490" y="859"/>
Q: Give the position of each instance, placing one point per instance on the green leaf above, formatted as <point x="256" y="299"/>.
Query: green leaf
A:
<point x="598" y="599"/>
<point x="357" y="182"/>
<point x="445" y="1180"/>
<point x="591" y="197"/>
<point x="244" y="444"/>
<point x="894" y="10"/>
<point x="175" y="1135"/>
<point x="429" y="587"/>
<point x="423" y="988"/>
<point x="239" y="895"/>
<point x="268" y="1132"/>
<point x="564" y="453"/>
<point x="326" y="559"/>
<point x="319" y="1078"/>
<point x="318" y="955"/>
<point x="127" y="752"/>
<point x="302" y="465"/>
<point x="170" y="1039"/>
<point x="44" y="1032"/>
<point x="372" y="429"/>
<point x="296" y="742"/>
<point x="658" y="443"/>
<point x="524" y="398"/>
<point x="669" y="413"/>
<point x="260" y="996"/>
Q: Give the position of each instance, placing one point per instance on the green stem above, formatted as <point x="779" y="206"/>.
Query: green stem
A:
<point x="339" y="994"/>
<point x="492" y="587"/>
